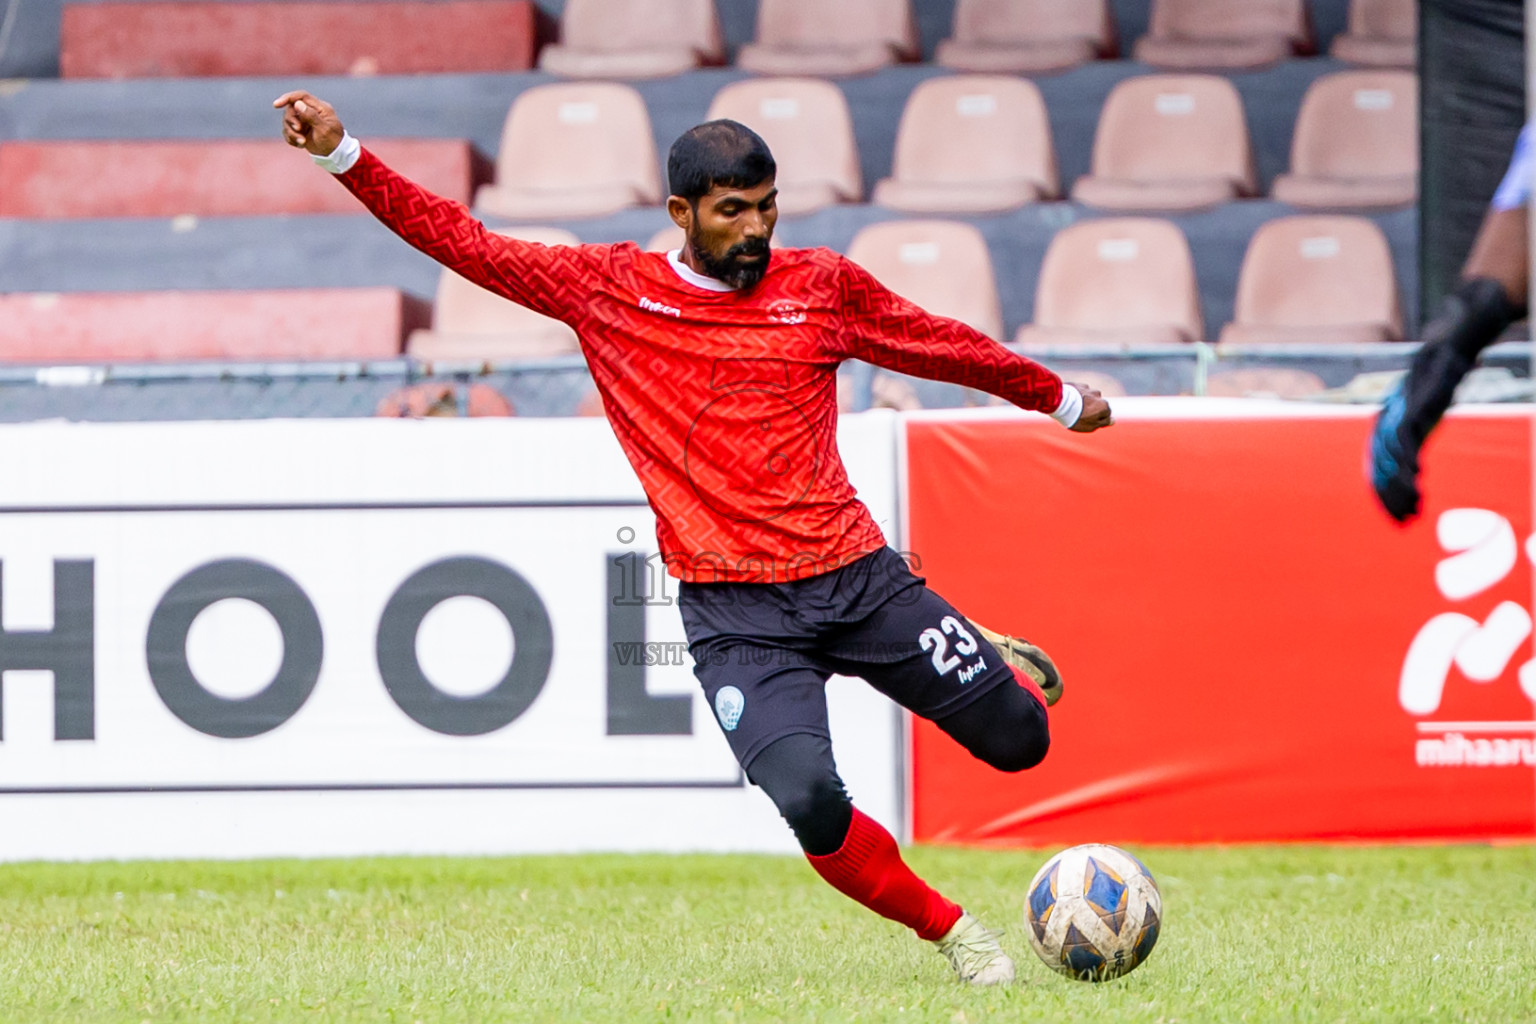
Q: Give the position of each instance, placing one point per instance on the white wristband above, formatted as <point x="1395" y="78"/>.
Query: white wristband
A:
<point x="1071" y="406"/>
<point x="341" y="159"/>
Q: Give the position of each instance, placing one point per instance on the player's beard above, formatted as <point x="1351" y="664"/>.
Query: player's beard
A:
<point x="736" y="266"/>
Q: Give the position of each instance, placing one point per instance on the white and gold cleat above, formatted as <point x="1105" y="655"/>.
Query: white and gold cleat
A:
<point x="1029" y="659"/>
<point x="973" y="951"/>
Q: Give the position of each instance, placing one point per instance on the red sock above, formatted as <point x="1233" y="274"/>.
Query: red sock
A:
<point x="1030" y="685"/>
<point x="868" y="868"/>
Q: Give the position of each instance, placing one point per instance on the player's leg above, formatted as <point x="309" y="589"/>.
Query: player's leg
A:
<point x="850" y="850"/>
<point x="1028" y="659"/>
<point x="771" y="701"/>
<point x="1005" y="727"/>
<point x="774" y="715"/>
<point x="912" y="645"/>
<point x="860" y="859"/>
<point x="798" y="774"/>
<point x="917" y="648"/>
<point x="1491" y="296"/>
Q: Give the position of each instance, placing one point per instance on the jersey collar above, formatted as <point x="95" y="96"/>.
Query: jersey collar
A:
<point x="693" y="277"/>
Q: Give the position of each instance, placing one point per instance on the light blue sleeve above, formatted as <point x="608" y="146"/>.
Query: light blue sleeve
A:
<point x="1515" y="190"/>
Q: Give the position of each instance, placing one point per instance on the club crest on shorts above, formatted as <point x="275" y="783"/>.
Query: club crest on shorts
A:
<point x="729" y="703"/>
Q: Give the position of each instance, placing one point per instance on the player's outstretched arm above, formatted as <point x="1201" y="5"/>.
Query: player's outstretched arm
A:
<point x="441" y="228"/>
<point x="310" y="124"/>
<point x="1096" y="412"/>
<point x="882" y="328"/>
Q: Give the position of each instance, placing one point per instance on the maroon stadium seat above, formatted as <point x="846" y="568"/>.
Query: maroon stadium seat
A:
<point x="209" y="178"/>
<point x="818" y="37"/>
<point x="671" y="237"/>
<point x="1106" y="385"/>
<point x="1122" y="281"/>
<point x="943" y="266"/>
<point x="1356" y="144"/>
<point x="1169" y="142"/>
<point x="1316" y="279"/>
<point x="574" y="149"/>
<point x="1027" y="36"/>
<point x="418" y="401"/>
<point x="806" y="123"/>
<point x="1194" y="35"/>
<point x="971" y="144"/>
<point x="102" y="327"/>
<point x="1382" y="34"/>
<point x="313" y="37"/>
<point x="470" y="324"/>
<point x="634" y="38"/>
<point x="1263" y="382"/>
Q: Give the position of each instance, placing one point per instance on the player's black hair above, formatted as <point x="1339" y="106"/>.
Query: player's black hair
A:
<point x="717" y="153"/>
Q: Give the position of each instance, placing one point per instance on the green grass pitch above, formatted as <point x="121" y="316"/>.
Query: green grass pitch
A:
<point x="1299" y="933"/>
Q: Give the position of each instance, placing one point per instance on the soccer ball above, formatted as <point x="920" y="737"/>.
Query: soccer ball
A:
<point x="1093" y="912"/>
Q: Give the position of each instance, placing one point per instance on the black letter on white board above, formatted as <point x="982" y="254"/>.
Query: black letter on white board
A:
<point x="165" y="648"/>
<point x="631" y="710"/>
<point x="68" y="650"/>
<point x="532" y="646"/>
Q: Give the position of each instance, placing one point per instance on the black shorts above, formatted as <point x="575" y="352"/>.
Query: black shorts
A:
<point x="764" y="651"/>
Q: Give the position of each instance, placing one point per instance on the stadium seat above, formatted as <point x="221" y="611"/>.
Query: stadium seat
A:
<point x="204" y="38"/>
<point x="1263" y="382"/>
<point x="418" y="401"/>
<point x="1316" y="279"/>
<point x="574" y="149"/>
<point x="666" y="239"/>
<point x="172" y="326"/>
<point x="1169" y="142"/>
<point x="942" y="266"/>
<point x="209" y="177"/>
<point x="1020" y="37"/>
<point x="1103" y="383"/>
<point x="897" y="391"/>
<point x="807" y="126"/>
<point x="815" y="37"/>
<point x="470" y="324"/>
<point x="1193" y="35"/>
<point x="971" y="144"/>
<point x="1382" y="34"/>
<point x="1356" y="143"/>
<point x="634" y="38"/>
<point x="1121" y="281"/>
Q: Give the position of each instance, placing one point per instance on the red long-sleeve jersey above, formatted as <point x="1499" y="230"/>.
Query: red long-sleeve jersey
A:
<point x="724" y="401"/>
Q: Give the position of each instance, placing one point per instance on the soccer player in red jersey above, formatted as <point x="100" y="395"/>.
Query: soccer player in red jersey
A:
<point x="717" y="368"/>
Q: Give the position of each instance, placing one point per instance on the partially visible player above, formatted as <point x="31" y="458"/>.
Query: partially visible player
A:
<point x="1495" y="282"/>
<point x="717" y="367"/>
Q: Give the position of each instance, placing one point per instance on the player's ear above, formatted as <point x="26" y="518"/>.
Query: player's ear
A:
<point x="681" y="212"/>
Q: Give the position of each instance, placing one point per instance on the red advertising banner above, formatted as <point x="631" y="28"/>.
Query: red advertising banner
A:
<point x="1252" y="650"/>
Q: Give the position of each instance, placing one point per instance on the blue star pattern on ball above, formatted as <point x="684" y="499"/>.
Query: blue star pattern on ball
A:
<point x="1094" y="912"/>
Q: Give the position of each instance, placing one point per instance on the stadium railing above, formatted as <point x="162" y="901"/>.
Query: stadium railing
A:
<point x="561" y="386"/>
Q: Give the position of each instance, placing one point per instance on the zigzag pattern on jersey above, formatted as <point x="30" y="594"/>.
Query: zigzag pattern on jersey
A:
<point x="446" y="231"/>
<point x="744" y="476"/>
<point x="900" y="336"/>
<point x="725" y="403"/>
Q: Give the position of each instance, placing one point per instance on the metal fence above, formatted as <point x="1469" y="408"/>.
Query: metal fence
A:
<point x="563" y="387"/>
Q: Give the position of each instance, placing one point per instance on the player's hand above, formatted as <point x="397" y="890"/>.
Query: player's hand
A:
<point x="309" y="123"/>
<point x="1096" y="412"/>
